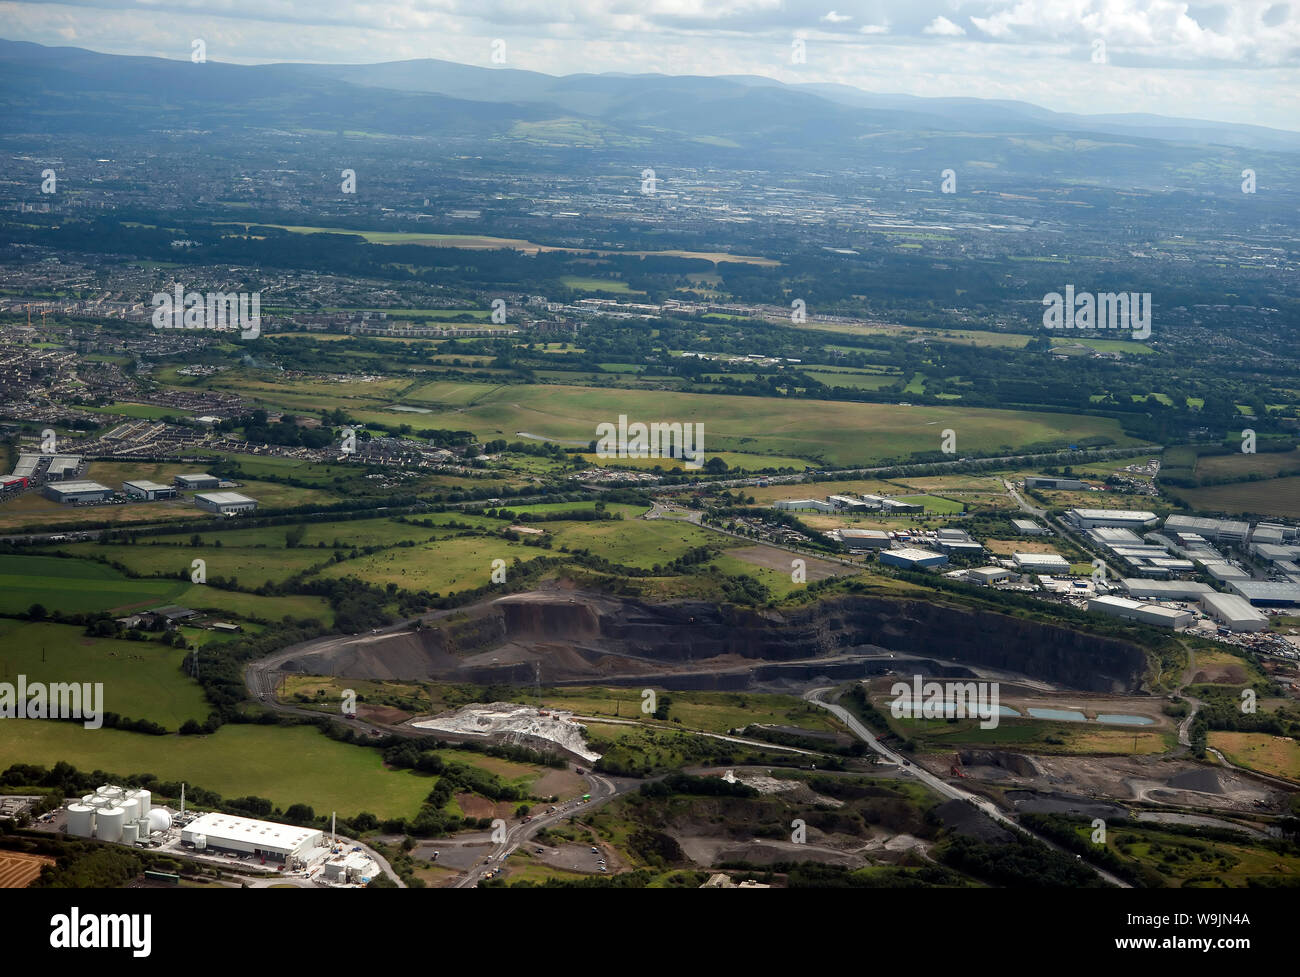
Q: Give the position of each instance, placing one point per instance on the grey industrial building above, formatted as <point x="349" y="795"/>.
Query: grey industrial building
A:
<point x="226" y="503"/>
<point x="1042" y="481"/>
<point x="197" y="481"/>
<point x="1132" y="610"/>
<point x="864" y="539"/>
<point x="78" y="492"/>
<point x="1165" y="589"/>
<point x="1218" y="530"/>
<point x="1027" y="527"/>
<point x="1234" y="613"/>
<point x="1120" y="518"/>
<point x="1266" y="593"/>
<point x="912" y="559"/>
<point x="151" y="491"/>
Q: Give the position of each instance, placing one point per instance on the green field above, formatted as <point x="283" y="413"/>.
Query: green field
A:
<point x="76" y="586"/>
<point x="288" y="765"/>
<point x="838" y="432"/>
<point x="141" y="679"/>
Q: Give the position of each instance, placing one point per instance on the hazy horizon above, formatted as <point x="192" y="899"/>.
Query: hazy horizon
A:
<point x="1213" y="62"/>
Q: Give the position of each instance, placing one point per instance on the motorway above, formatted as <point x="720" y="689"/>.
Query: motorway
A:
<point x="939" y="786"/>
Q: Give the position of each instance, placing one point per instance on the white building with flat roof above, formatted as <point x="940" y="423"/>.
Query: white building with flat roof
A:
<point x="231" y="833"/>
<point x="1132" y="610"/>
<point x="1165" y="589"/>
<point x="1027" y="527"/>
<point x="1119" y="518"/>
<point x="150" y="491"/>
<point x="226" y="503"/>
<point x="1041" y="562"/>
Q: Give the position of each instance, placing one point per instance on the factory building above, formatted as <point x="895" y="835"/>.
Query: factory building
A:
<point x="78" y="492"/>
<point x="226" y="503"/>
<point x="1039" y="481"/>
<point x="1041" y="562"/>
<point x="912" y="559"/>
<point x="803" y="505"/>
<point x="1218" y="530"/>
<point x="848" y="502"/>
<point x="1224" y="570"/>
<point x="150" y="491"/>
<point x="1027" y="527"/>
<point x="988" y="575"/>
<point x="1263" y="593"/>
<point x="1165" y="589"/>
<point x="1234" y="613"/>
<point x="1113" y="536"/>
<point x="864" y="539"/>
<point x="197" y="481"/>
<point x="1132" y="610"/>
<point x="263" y="839"/>
<point x="1119" y="518"/>
<point x="62" y="467"/>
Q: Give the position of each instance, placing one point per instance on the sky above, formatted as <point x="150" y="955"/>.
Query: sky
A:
<point x="1235" y="61"/>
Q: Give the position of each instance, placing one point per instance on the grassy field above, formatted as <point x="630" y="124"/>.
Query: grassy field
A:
<point x="141" y="679"/>
<point x="838" y="432"/>
<point x="714" y="712"/>
<point x="288" y="765"/>
<point x="1240" y="465"/>
<point x="76" y="586"/>
<point x="1276" y="755"/>
<point x="1273" y="497"/>
<point x="479" y="242"/>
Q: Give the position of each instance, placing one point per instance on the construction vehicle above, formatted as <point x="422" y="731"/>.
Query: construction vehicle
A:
<point x="956" y="766"/>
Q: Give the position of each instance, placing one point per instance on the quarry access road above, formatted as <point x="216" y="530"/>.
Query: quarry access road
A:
<point x="603" y="790"/>
<point x="938" y="785"/>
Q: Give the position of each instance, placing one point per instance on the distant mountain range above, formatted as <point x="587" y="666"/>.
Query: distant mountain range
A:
<point x="51" y="90"/>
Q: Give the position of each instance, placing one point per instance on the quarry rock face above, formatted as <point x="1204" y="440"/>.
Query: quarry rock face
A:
<point x="572" y="635"/>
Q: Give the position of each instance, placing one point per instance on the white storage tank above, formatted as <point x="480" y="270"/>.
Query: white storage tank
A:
<point x="159" y="820"/>
<point x="108" y="823"/>
<point x="100" y="802"/>
<point x="143" y="800"/>
<point x="81" y="820"/>
<point x="108" y="790"/>
<point x="88" y="798"/>
<point x="130" y="832"/>
<point x="132" y="808"/>
<point x="200" y="842"/>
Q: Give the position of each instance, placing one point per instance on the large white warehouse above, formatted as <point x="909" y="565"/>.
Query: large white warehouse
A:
<point x="228" y="832"/>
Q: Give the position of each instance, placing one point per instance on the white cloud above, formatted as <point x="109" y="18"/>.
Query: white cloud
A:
<point x="836" y="18"/>
<point x="874" y="29"/>
<point x="943" y="27"/>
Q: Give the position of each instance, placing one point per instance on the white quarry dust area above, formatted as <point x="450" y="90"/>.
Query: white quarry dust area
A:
<point x="510" y="722"/>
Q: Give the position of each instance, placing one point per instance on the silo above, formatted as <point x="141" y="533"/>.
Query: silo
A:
<point x="108" y="824"/>
<point x="159" y="820"/>
<point x="144" y="799"/>
<point x="108" y="790"/>
<point x="88" y="798"/>
<point x="132" y="808"/>
<point x="100" y="802"/>
<point x="130" y="832"/>
<point x="81" y="820"/>
<point x="200" y="842"/>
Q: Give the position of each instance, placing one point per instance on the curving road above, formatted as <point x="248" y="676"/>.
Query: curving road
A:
<point x="939" y="786"/>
